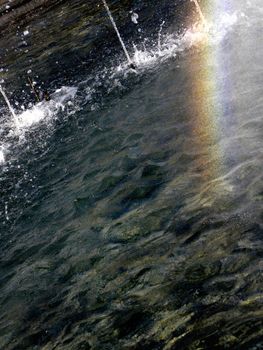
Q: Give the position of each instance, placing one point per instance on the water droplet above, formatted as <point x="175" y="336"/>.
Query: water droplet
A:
<point x="134" y="17"/>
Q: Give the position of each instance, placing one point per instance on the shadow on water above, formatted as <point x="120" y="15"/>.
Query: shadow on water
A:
<point x="131" y="203"/>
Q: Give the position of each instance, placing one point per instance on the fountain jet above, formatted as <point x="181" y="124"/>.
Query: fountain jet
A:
<point x="8" y="103"/>
<point x="200" y="12"/>
<point x="130" y="62"/>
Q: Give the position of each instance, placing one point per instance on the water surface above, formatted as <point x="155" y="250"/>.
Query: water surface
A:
<point x="131" y="203"/>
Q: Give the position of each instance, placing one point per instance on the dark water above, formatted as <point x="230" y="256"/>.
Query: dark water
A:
<point x="131" y="203"/>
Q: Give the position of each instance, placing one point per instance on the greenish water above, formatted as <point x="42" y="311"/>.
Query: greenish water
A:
<point x="131" y="203"/>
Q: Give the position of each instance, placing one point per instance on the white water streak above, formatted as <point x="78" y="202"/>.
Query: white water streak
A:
<point x="8" y="103"/>
<point x="159" y="35"/>
<point x="200" y="12"/>
<point x="2" y="155"/>
<point x="117" y="31"/>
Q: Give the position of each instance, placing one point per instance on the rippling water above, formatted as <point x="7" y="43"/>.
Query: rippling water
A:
<point x="131" y="202"/>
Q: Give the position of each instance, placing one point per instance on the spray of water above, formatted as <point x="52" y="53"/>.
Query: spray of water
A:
<point x="149" y="55"/>
<point x="117" y="32"/>
<point x="159" y="35"/>
<point x="2" y="156"/>
<point x="200" y="12"/>
<point x="8" y="103"/>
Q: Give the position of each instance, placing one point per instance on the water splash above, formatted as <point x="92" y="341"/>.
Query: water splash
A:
<point x="149" y="54"/>
<point x="35" y="124"/>
<point x="45" y="110"/>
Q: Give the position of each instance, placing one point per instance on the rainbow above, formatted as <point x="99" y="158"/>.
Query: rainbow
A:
<point x="210" y="89"/>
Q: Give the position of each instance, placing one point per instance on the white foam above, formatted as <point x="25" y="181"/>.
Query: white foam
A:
<point x="33" y="115"/>
<point x="44" y="111"/>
